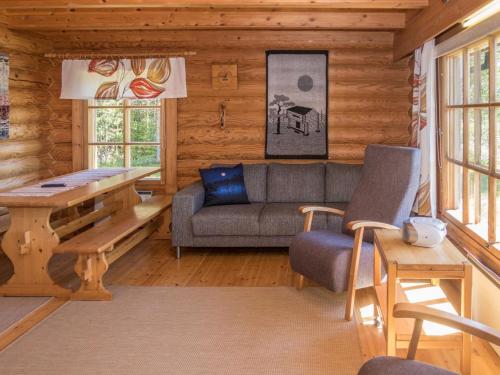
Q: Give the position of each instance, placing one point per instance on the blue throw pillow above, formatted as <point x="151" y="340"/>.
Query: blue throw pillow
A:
<point x="224" y="186"/>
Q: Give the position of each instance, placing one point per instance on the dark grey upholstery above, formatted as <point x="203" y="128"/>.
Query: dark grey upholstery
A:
<point x="385" y="192"/>
<point x="323" y="256"/>
<point x="278" y="219"/>
<point x="340" y="181"/>
<point x="295" y="183"/>
<point x="185" y="204"/>
<point x="228" y="220"/>
<point x="325" y="184"/>
<point x="400" y="366"/>
<point x="387" y="188"/>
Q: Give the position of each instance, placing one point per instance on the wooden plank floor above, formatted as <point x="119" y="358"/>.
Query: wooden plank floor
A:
<point x="153" y="263"/>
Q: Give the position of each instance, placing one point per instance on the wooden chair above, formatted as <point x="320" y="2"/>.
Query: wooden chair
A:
<point x="398" y="366"/>
<point x="383" y="198"/>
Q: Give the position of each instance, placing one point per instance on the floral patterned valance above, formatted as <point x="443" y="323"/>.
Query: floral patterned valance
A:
<point x="139" y="78"/>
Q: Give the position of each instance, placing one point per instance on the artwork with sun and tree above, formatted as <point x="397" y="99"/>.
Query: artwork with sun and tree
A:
<point x="297" y="104"/>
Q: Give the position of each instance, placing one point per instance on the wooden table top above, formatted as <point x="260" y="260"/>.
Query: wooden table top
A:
<point x="393" y="249"/>
<point x="80" y="186"/>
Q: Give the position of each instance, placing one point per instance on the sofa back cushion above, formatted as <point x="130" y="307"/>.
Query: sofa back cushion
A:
<point x="255" y="176"/>
<point x="296" y="183"/>
<point x="340" y="181"/>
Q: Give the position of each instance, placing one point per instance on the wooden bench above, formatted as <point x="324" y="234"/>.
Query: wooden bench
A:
<point x="104" y="243"/>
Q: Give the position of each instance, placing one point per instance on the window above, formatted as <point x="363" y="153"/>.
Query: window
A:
<point x="470" y="120"/>
<point x="125" y="133"/>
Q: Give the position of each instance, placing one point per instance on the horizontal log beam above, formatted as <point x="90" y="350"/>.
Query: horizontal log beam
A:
<point x="323" y="4"/>
<point x="145" y="18"/>
<point x="432" y="21"/>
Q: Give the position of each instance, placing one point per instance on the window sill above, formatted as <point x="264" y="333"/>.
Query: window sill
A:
<point x="473" y="247"/>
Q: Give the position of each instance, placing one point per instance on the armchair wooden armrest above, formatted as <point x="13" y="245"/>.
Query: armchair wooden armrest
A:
<point x="330" y="210"/>
<point x="310" y="210"/>
<point x="421" y="313"/>
<point x="357" y="224"/>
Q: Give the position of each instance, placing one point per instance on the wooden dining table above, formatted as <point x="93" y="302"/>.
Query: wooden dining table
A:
<point x="30" y="239"/>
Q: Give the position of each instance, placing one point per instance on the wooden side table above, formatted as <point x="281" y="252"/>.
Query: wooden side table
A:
<point x="403" y="261"/>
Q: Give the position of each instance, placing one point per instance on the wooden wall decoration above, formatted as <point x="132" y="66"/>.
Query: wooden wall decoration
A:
<point x="224" y="76"/>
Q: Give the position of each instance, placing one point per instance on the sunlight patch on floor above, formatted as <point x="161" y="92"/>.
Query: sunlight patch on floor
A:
<point x="425" y="293"/>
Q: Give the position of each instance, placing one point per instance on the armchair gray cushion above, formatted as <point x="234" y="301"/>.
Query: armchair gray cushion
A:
<point x="400" y="366"/>
<point x="324" y="256"/>
<point x="295" y="183"/>
<point x="387" y="188"/>
<point x="385" y="192"/>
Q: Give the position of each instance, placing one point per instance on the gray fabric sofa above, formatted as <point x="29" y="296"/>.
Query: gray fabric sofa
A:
<point x="272" y="219"/>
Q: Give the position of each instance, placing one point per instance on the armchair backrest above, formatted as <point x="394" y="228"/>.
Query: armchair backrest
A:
<point x="387" y="188"/>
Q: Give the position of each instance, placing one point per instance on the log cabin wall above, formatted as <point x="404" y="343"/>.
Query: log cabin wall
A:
<point x="25" y="156"/>
<point x="368" y="92"/>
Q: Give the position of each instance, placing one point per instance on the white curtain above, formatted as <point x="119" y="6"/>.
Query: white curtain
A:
<point x="137" y="78"/>
<point x="423" y="126"/>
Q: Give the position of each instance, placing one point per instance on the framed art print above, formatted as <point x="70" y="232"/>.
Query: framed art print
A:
<point x="297" y="104"/>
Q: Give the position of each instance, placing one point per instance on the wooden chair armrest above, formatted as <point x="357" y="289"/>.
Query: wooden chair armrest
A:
<point x="420" y="312"/>
<point x="310" y="210"/>
<point x="330" y="210"/>
<point x="354" y="225"/>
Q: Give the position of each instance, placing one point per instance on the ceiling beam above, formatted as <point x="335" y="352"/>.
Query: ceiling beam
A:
<point x="167" y="19"/>
<point x="432" y="21"/>
<point x="311" y="4"/>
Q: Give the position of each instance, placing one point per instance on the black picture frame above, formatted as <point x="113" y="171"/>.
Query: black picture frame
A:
<point x="292" y="155"/>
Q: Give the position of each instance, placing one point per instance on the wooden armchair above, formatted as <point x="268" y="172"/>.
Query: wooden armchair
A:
<point x="358" y="228"/>
<point x="383" y="198"/>
<point x="398" y="366"/>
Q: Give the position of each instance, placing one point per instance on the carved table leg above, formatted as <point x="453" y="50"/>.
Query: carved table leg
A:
<point x="29" y="245"/>
<point x="90" y="269"/>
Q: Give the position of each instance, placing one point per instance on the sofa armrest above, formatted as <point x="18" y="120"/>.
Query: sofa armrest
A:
<point x="185" y="204"/>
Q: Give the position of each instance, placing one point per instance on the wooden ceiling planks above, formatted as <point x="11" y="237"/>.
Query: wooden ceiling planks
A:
<point x="432" y="21"/>
<point x="202" y="18"/>
<point x="308" y="4"/>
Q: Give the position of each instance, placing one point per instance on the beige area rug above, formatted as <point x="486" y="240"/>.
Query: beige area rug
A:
<point x="174" y="331"/>
<point x="13" y="309"/>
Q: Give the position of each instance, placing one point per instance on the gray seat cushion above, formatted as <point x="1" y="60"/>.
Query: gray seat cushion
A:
<point x="399" y="366"/>
<point x="229" y="220"/>
<point x="255" y="176"/>
<point x="295" y="183"/>
<point x="340" y="181"/>
<point x="325" y="257"/>
<point x="284" y="219"/>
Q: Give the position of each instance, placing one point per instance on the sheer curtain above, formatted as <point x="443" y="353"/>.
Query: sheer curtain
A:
<point x="423" y="126"/>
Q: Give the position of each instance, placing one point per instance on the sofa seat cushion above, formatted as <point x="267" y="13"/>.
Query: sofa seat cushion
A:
<point x="295" y="183"/>
<point x="284" y="219"/>
<point x="230" y="220"/>
<point x="325" y="257"/>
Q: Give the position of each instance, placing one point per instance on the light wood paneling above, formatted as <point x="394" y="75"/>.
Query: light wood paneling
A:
<point x="368" y="92"/>
<point x="25" y="157"/>
<point x="431" y="21"/>
<point x="177" y="18"/>
<point x="323" y="4"/>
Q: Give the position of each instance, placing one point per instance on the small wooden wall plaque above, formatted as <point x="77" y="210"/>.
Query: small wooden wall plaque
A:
<point x="225" y="76"/>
